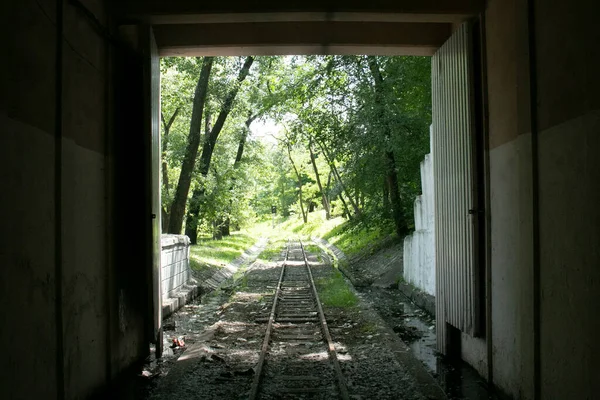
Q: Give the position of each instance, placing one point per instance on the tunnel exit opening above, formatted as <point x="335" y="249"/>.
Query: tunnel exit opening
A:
<point x="474" y="92"/>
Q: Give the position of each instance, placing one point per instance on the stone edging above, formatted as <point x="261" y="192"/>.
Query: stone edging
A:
<point x="247" y="258"/>
<point x="337" y="255"/>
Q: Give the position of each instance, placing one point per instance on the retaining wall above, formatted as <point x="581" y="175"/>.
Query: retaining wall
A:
<point x="419" y="248"/>
<point x="175" y="263"/>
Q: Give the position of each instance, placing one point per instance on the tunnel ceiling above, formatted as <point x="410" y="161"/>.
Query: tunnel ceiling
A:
<point x="238" y="27"/>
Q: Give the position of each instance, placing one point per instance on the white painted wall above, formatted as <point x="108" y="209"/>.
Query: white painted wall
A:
<point x="175" y="263"/>
<point x="419" y="248"/>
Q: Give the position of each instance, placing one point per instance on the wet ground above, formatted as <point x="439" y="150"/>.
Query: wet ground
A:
<point x="375" y="278"/>
<point x="416" y="328"/>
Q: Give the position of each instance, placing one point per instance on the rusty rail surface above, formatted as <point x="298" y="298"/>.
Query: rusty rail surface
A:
<point x="296" y="308"/>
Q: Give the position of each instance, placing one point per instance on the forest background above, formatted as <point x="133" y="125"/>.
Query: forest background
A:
<point x="309" y="137"/>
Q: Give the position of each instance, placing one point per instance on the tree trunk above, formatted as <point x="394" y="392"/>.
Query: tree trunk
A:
<point x="226" y="231"/>
<point x="165" y="218"/>
<point x="386" y="197"/>
<point x="396" y="201"/>
<point x="304" y="216"/>
<point x="242" y="143"/>
<point x="346" y="210"/>
<point x="331" y="163"/>
<point x="208" y="147"/>
<point x="391" y="174"/>
<point x="284" y="210"/>
<point x="191" y="151"/>
<point x="165" y="166"/>
<point x="191" y="219"/>
<point x="327" y="187"/>
<point x="324" y="199"/>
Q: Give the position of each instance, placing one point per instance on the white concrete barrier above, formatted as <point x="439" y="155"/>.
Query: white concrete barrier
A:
<point x="419" y="248"/>
<point x="175" y="263"/>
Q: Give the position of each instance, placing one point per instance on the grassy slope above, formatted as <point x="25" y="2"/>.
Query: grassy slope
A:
<point x="351" y="238"/>
<point x="210" y="253"/>
<point x="334" y="292"/>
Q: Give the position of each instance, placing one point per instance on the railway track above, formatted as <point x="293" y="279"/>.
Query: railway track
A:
<point x="298" y="358"/>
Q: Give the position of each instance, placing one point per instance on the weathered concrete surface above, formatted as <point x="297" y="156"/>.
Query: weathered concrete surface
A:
<point x="27" y="277"/>
<point x="73" y="319"/>
<point x="570" y="257"/>
<point x="569" y="193"/>
<point x="512" y="275"/>
<point x="567" y="108"/>
<point x="421" y="299"/>
<point x="27" y="211"/>
<point x="419" y="247"/>
<point x="178" y="286"/>
<point x="175" y="263"/>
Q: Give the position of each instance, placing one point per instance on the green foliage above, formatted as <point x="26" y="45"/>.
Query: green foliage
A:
<point x="334" y="292"/>
<point x="352" y="238"/>
<point x="328" y="102"/>
<point x="272" y="251"/>
<point x="313" y="249"/>
<point x="218" y="253"/>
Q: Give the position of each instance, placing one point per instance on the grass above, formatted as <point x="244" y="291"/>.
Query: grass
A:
<point x="352" y="238"/>
<point x="334" y="292"/>
<point x="368" y="327"/>
<point x="272" y="250"/>
<point x="317" y="225"/>
<point x="313" y="249"/>
<point x="218" y="253"/>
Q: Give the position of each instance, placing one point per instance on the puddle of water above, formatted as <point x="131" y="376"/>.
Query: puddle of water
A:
<point x="417" y="329"/>
<point x="458" y="379"/>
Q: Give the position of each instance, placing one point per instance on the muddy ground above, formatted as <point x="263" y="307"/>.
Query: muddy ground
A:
<point x="375" y="276"/>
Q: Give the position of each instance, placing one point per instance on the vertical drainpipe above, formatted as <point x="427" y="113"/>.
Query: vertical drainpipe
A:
<point x="58" y="255"/>
<point x="535" y="200"/>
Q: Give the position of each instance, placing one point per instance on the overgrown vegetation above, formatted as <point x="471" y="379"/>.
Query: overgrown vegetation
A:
<point x="210" y="253"/>
<point x="334" y="292"/>
<point x="272" y="251"/>
<point x="338" y="157"/>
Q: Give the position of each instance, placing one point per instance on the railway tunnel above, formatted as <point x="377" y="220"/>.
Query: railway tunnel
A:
<point x="79" y="131"/>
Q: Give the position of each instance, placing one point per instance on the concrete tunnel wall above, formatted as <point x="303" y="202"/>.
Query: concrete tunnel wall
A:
<point x="568" y="94"/>
<point x="103" y="304"/>
<point x="568" y="171"/>
<point x="74" y="315"/>
<point x="511" y="198"/>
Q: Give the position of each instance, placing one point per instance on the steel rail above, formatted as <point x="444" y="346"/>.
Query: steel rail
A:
<point x="341" y="383"/>
<point x="265" y="345"/>
<point x="332" y="353"/>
